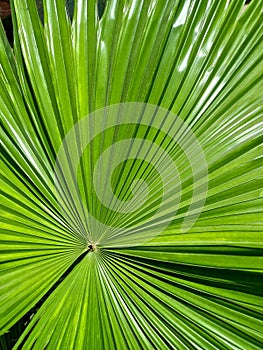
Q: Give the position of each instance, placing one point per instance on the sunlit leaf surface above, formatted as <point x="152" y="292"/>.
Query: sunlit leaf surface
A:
<point x="199" y="288"/>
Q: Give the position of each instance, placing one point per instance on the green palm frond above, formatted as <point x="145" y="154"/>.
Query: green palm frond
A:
<point x="131" y="288"/>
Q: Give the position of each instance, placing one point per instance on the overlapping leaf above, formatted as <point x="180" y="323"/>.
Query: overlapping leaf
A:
<point x="201" y="289"/>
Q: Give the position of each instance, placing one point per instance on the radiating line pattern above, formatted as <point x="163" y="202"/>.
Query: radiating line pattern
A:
<point x="146" y="194"/>
<point x="200" y="289"/>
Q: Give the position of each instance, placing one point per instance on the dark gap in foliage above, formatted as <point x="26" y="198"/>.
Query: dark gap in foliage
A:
<point x="7" y="18"/>
<point x="8" y="26"/>
<point x="101" y="7"/>
<point x="9" y="339"/>
<point x="70" y="8"/>
<point x="238" y="280"/>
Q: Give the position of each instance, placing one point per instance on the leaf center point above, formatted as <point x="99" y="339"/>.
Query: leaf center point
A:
<point x="92" y="247"/>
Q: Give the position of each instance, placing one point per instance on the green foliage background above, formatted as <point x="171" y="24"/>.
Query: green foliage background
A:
<point x="198" y="290"/>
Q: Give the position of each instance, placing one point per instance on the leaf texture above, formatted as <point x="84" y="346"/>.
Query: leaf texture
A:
<point x="201" y="289"/>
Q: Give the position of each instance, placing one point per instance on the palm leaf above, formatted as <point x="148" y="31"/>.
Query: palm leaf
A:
<point x="113" y="282"/>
